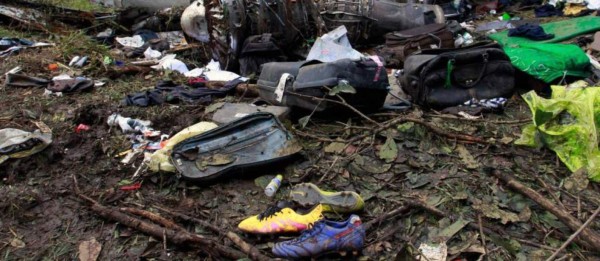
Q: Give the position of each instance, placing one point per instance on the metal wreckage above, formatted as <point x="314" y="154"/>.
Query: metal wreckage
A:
<point x="243" y="34"/>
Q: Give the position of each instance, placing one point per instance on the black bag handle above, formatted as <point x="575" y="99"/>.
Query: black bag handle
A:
<point x="470" y="85"/>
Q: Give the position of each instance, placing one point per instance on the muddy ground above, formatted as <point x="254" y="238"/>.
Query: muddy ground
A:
<point x="41" y="217"/>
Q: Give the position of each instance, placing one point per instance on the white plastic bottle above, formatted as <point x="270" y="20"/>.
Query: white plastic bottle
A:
<point x="273" y="186"/>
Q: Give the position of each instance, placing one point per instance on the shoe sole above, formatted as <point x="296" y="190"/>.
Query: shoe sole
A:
<point x="307" y="194"/>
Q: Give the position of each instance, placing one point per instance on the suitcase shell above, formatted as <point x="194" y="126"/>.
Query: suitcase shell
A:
<point x="369" y="79"/>
<point x="253" y="141"/>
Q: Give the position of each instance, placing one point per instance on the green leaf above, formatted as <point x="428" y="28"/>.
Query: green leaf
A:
<point x="451" y="230"/>
<point x="466" y="157"/>
<point x="124" y="182"/>
<point x="342" y="87"/>
<point x="213" y="107"/>
<point x="492" y="211"/>
<point x="405" y="127"/>
<point x="335" y="147"/>
<point x="389" y="151"/>
<point x="303" y="121"/>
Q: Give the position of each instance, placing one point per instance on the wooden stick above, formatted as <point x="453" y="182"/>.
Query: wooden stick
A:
<point x="250" y="250"/>
<point x="153" y="217"/>
<point x="574" y="235"/>
<point x="385" y="216"/>
<point x="178" y="237"/>
<point x="589" y="238"/>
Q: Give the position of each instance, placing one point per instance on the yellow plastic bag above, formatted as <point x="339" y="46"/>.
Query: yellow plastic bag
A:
<point x="567" y="123"/>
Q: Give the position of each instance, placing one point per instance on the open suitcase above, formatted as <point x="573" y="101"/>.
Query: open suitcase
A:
<point x="252" y="141"/>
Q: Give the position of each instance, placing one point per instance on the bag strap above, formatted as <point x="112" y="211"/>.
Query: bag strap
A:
<point x="467" y="85"/>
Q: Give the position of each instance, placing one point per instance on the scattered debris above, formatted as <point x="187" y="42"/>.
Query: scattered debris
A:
<point x="15" y="143"/>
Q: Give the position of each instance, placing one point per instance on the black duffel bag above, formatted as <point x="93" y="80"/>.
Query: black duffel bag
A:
<point x="441" y="78"/>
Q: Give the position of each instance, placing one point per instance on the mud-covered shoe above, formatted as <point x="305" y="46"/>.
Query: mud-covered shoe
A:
<point x="281" y="219"/>
<point x="325" y="237"/>
<point x="308" y="194"/>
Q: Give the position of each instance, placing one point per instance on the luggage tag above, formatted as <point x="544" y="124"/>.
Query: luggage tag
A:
<point x="281" y="86"/>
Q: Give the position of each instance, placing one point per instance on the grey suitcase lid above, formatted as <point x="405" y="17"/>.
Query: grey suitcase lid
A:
<point x="254" y="140"/>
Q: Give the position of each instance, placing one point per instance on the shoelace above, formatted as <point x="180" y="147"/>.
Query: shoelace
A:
<point x="272" y="210"/>
<point x="312" y="230"/>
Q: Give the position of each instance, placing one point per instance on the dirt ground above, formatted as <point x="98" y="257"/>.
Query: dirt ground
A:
<point x="41" y="217"/>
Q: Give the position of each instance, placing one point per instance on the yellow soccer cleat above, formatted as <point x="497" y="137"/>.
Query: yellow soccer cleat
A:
<point x="278" y="219"/>
<point x="307" y="194"/>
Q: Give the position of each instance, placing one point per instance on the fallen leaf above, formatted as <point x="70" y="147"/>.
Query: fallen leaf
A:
<point x="335" y="147"/>
<point x="369" y="164"/>
<point x="345" y="174"/>
<point x="460" y="195"/>
<point x="89" y="250"/>
<point x="342" y="87"/>
<point x="466" y="157"/>
<point x="433" y="252"/>
<point x="405" y="127"/>
<point x="494" y="212"/>
<point x="219" y="160"/>
<point x="506" y="140"/>
<point x="577" y="182"/>
<point x="213" y="107"/>
<point x="350" y="149"/>
<point x="525" y="214"/>
<point x="304" y="121"/>
<point x="451" y="230"/>
<point x="389" y="151"/>
<point x="18" y="243"/>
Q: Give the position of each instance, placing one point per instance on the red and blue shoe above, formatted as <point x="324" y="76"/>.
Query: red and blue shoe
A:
<point x="325" y="237"/>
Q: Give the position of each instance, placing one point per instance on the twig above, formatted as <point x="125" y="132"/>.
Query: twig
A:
<point x="328" y="170"/>
<point x="485" y="251"/>
<point x="420" y="252"/>
<point x="574" y="235"/>
<point x="390" y="214"/>
<point x="153" y="217"/>
<point x="178" y="237"/>
<point x="551" y="194"/>
<point x="312" y="136"/>
<point x="250" y="250"/>
<point x="337" y="102"/>
<point x="531" y="243"/>
<point x="589" y="237"/>
<point x="443" y="116"/>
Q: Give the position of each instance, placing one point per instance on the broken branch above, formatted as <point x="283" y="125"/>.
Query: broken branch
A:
<point x="153" y="217"/>
<point x="589" y="238"/>
<point x="178" y="237"/>
<point x="250" y="250"/>
<point x="572" y="237"/>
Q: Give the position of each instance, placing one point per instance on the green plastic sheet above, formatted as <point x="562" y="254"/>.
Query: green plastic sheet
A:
<point x="549" y="62"/>
<point x="567" y="123"/>
<point x="562" y="30"/>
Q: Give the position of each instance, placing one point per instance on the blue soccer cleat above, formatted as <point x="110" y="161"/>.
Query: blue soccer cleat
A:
<point x="325" y="237"/>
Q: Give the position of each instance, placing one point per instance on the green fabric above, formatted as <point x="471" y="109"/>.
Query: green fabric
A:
<point x="567" y="123"/>
<point x="562" y="30"/>
<point x="549" y="62"/>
